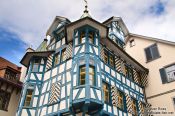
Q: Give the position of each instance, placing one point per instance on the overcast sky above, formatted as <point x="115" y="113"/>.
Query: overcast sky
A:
<point x="25" y="22"/>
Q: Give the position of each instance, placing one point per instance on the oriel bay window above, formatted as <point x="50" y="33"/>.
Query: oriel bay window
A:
<point x="91" y="75"/>
<point x="106" y="92"/>
<point x="28" y="98"/>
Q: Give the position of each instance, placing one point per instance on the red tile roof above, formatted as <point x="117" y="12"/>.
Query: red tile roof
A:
<point x="5" y="63"/>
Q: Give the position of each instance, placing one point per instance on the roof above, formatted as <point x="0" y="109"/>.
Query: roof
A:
<point x="117" y="50"/>
<point x="5" y="63"/>
<point x="149" y="38"/>
<point x="85" y="21"/>
<point x="26" y="59"/>
<point x="120" y="22"/>
<point x="55" y="23"/>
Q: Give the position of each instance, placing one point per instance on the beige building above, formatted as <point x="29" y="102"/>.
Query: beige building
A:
<point x="158" y="56"/>
<point x="10" y="87"/>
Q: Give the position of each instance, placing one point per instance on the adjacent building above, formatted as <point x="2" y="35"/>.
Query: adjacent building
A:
<point x="158" y="56"/>
<point x="10" y="87"/>
<point x="83" y="70"/>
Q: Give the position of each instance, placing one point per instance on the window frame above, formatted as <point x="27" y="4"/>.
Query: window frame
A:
<point x="151" y="53"/>
<point x="63" y="55"/>
<point x="107" y="59"/>
<point x="81" y="36"/>
<point x="82" y="73"/>
<point x="93" y="78"/>
<point x="104" y="91"/>
<point x="120" y="92"/>
<point x="32" y="95"/>
<point x="5" y="98"/>
<point x="59" y="56"/>
<point x="33" y="64"/>
<point x="136" y="106"/>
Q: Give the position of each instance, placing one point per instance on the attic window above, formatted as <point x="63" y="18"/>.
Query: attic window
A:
<point x="132" y="43"/>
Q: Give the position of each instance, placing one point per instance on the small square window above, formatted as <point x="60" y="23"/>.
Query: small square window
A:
<point x="132" y="43"/>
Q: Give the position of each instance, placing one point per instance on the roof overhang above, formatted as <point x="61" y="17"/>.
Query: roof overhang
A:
<point x="85" y="21"/>
<point x="57" y="20"/>
<point x="117" y="50"/>
<point x="120" y="22"/>
<point x="26" y="59"/>
<point x="149" y="38"/>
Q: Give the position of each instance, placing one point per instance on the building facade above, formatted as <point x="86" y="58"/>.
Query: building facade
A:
<point x="156" y="55"/>
<point x="83" y="70"/>
<point x="10" y="87"/>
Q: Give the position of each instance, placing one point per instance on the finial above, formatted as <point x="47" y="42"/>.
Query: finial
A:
<point x="86" y="6"/>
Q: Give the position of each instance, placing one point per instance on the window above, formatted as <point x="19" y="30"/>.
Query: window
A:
<point x="132" y="43"/>
<point x="82" y="75"/>
<point x="152" y="53"/>
<point x="129" y="72"/>
<point x="134" y="106"/>
<point x="108" y="58"/>
<point x="91" y="75"/>
<point x="28" y="97"/>
<point x="120" y="100"/>
<point x="91" y="37"/>
<point x="168" y="74"/>
<point x="106" y="92"/>
<point x="4" y="100"/>
<point x="63" y="55"/>
<point x="35" y="65"/>
<point x="82" y="37"/>
<point x="111" y="60"/>
<point x="57" y="59"/>
<point x="10" y="75"/>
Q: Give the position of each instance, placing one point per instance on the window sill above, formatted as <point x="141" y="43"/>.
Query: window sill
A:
<point x="153" y="59"/>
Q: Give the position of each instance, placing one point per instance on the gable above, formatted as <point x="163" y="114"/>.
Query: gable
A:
<point x="85" y="21"/>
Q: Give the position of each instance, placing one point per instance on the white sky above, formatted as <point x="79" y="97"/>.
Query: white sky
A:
<point x="30" y="19"/>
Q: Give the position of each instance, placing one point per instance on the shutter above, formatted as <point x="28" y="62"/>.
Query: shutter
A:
<point x="155" y="53"/>
<point x="163" y="75"/>
<point x="148" y="54"/>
